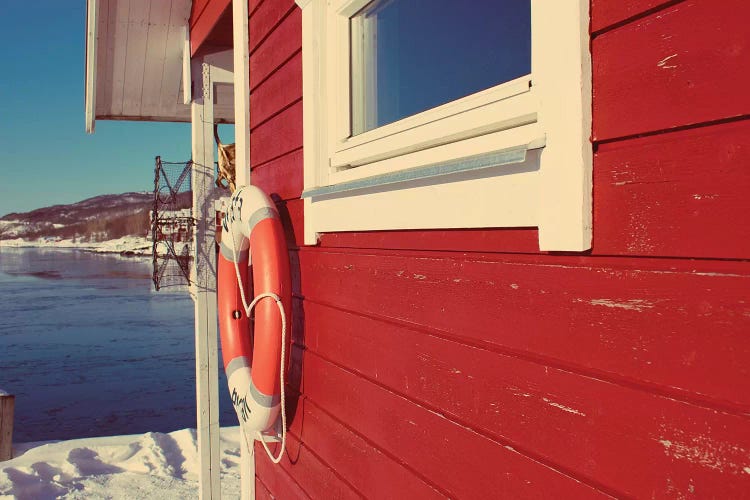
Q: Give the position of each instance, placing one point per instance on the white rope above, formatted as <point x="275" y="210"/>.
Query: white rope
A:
<point x="249" y="308"/>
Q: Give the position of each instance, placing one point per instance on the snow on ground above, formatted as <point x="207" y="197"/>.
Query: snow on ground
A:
<point x="151" y="465"/>
<point x="132" y="245"/>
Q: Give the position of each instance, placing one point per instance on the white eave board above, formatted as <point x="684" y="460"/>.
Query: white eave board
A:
<point x="134" y="67"/>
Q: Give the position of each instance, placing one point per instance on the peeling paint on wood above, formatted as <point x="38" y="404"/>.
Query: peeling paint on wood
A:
<point x="663" y="63"/>
<point x="707" y="452"/>
<point x="632" y="305"/>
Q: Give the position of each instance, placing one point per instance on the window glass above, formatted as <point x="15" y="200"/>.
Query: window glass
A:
<point x="412" y="55"/>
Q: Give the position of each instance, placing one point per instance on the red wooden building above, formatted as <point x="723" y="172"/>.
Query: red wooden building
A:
<point x="451" y="359"/>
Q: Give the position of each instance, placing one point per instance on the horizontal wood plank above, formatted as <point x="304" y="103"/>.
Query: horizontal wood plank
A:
<point x="202" y="26"/>
<point x="604" y="433"/>
<point x="459" y="461"/>
<point x="605" y="13"/>
<point x="279" y="91"/>
<point x="196" y="10"/>
<point x="304" y="468"/>
<point x="252" y="6"/>
<point x="279" y="46"/>
<point x="277" y="480"/>
<point x="278" y="136"/>
<point x="683" y="65"/>
<point x="265" y="18"/>
<point x="355" y="459"/>
<point x="261" y="492"/>
<point x="281" y="178"/>
<point x="679" y="194"/>
<point x="684" y="330"/>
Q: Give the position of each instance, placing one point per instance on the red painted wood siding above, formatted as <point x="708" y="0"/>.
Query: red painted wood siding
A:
<point x="683" y="65"/>
<point x="468" y="364"/>
<point x="204" y="15"/>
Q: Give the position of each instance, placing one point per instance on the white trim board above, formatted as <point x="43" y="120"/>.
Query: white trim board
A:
<point x="92" y="19"/>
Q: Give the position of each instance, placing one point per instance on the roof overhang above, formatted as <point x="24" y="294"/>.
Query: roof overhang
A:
<point x="138" y="63"/>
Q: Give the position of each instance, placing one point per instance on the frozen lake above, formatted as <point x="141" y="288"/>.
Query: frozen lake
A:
<point x="90" y="349"/>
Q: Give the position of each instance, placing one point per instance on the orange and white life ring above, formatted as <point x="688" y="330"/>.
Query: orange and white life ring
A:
<point x="253" y="253"/>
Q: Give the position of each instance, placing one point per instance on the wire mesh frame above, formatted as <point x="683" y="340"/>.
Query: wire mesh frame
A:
<point x="171" y="223"/>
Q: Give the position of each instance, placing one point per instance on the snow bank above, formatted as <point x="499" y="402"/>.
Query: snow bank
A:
<point x="131" y="245"/>
<point x="151" y="465"/>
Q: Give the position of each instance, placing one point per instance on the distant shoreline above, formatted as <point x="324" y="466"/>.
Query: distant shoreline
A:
<point x="127" y="246"/>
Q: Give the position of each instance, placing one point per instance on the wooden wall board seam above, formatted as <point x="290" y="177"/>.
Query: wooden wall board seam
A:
<point x="280" y="45"/>
<point x="683" y="396"/>
<point x="721" y="127"/>
<point x="511" y="252"/>
<point x="275" y="114"/>
<point x="264" y="462"/>
<point x="462" y="430"/>
<point x="276" y="178"/>
<point x="635" y="17"/>
<point x="281" y="89"/>
<point x="264" y="491"/>
<point x="454" y="419"/>
<point x="195" y="16"/>
<point x="277" y="136"/>
<point x="665" y="131"/>
<point x="287" y="475"/>
<point x="288" y="153"/>
<point x="201" y="28"/>
<point x="270" y="31"/>
<point x="571" y="315"/>
<point x="385" y="453"/>
<point x="266" y="161"/>
<point x="494" y="395"/>
<point x="675" y="194"/>
<point x="632" y="384"/>
<point x="296" y="449"/>
<point x="738" y="268"/>
<point x="301" y="442"/>
<point x="274" y="70"/>
<point x="681" y="66"/>
<point x="252" y="10"/>
<point x="305" y="399"/>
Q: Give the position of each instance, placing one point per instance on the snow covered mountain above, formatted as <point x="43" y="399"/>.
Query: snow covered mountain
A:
<point x="101" y="218"/>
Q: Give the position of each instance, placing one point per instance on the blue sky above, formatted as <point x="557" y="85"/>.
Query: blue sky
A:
<point x="46" y="157"/>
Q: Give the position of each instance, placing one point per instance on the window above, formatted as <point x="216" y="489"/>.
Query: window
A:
<point x="423" y="114"/>
<point x="402" y="62"/>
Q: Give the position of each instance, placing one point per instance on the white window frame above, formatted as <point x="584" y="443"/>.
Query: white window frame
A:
<point x="515" y="155"/>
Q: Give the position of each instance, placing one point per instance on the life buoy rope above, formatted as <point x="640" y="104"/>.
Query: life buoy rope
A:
<point x="248" y="308"/>
<point x="253" y="219"/>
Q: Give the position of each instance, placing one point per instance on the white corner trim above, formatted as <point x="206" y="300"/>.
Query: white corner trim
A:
<point x="302" y="3"/>
<point x="187" y="84"/>
<point x="241" y="66"/>
<point x="91" y="47"/>
<point x="563" y="69"/>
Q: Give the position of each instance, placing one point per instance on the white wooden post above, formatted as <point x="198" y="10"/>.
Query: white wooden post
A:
<point x="203" y="284"/>
<point x="241" y="65"/>
<point x="240" y="35"/>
